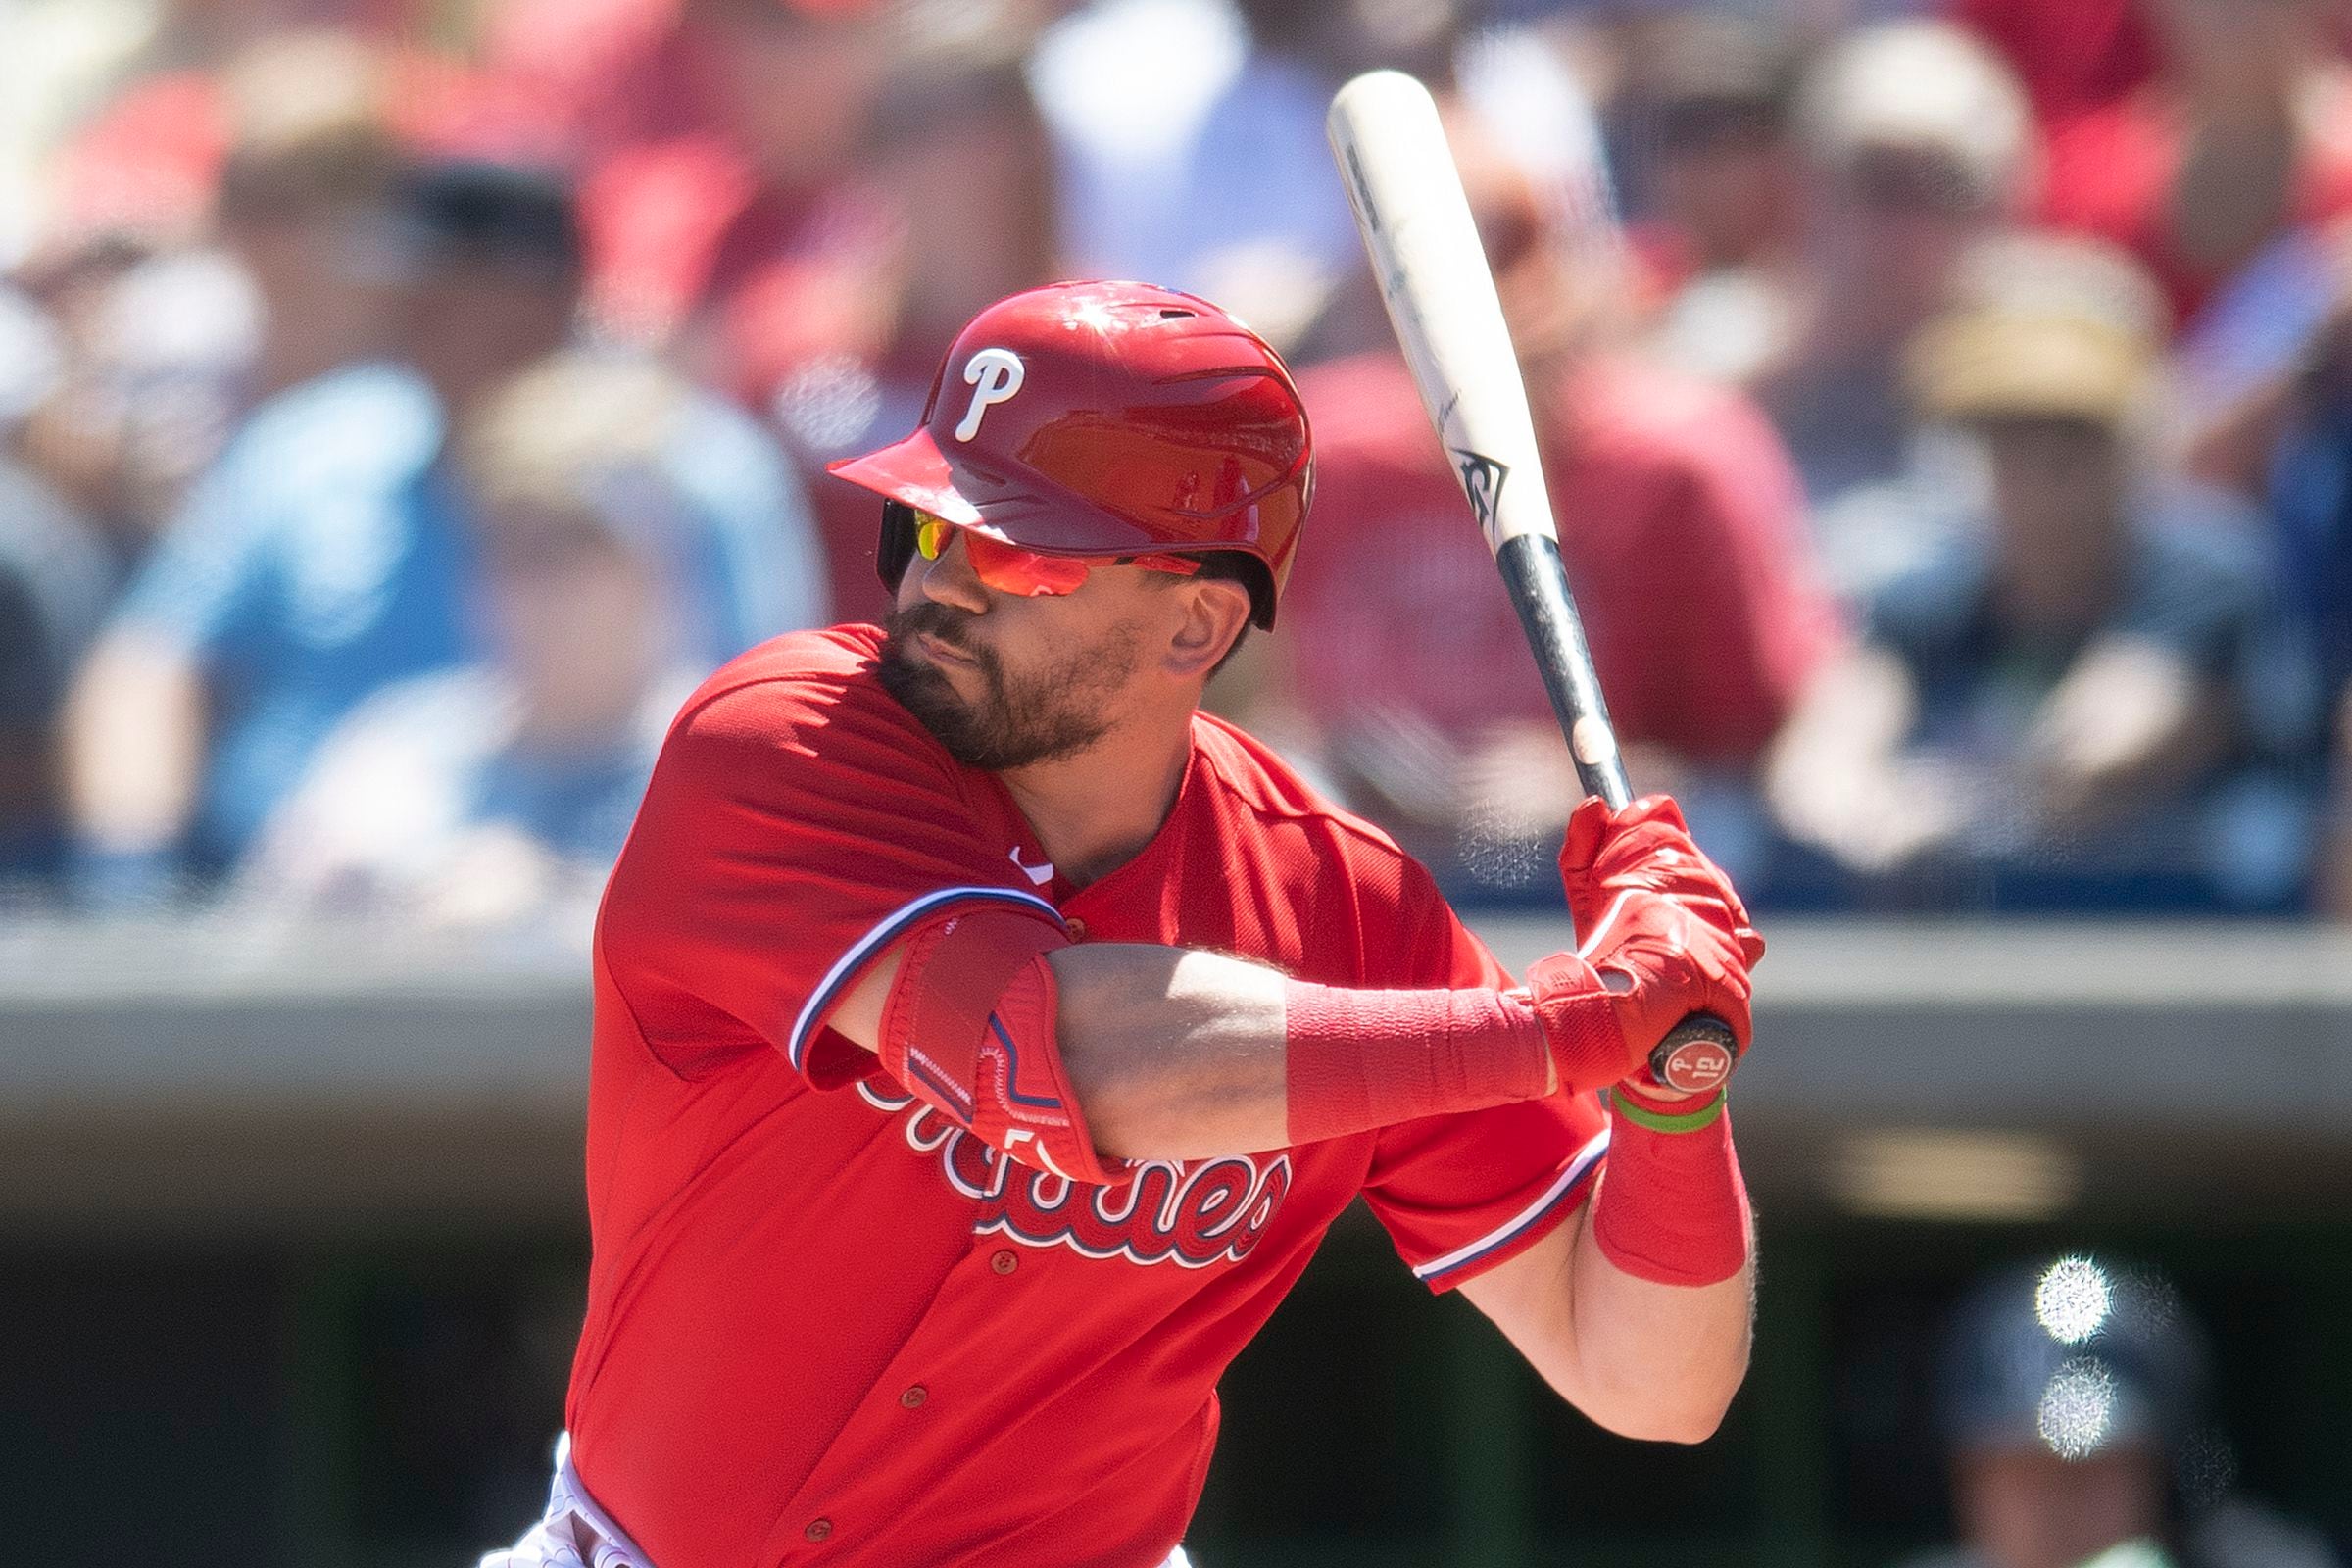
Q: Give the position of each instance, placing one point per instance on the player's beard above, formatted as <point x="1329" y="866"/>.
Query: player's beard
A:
<point x="1035" y="717"/>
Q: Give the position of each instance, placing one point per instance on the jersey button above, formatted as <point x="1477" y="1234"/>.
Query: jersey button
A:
<point x="1006" y="1261"/>
<point x="915" y="1396"/>
<point x="1077" y="927"/>
<point x="818" y="1529"/>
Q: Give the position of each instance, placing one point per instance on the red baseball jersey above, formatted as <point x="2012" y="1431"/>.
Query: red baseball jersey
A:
<point x="825" y="1324"/>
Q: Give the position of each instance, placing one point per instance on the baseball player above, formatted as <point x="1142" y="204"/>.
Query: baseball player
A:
<point x="984" y="1038"/>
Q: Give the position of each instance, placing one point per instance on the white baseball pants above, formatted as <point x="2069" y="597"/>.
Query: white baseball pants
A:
<point x="574" y="1533"/>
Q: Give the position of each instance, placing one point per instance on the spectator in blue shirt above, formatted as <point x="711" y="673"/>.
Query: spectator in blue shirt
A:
<point x="328" y="552"/>
<point x="2064" y="693"/>
<point x="503" y="786"/>
<point x="2311" y="497"/>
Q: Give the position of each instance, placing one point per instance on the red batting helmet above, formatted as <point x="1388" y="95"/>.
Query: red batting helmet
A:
<point x="1105" y="419"/>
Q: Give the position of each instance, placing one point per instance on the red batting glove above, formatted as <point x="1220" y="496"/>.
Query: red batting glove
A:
<point x="1647" y="845"/>
<point x="1664" y="936"/>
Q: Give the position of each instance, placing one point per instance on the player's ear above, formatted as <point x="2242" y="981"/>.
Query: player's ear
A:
<point x="1215" y="612"/>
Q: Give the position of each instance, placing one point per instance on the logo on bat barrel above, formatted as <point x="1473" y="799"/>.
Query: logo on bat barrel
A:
<point x="1481" y="482"/>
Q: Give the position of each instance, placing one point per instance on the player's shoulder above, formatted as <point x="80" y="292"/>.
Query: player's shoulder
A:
<point x="812" y="695"/>
<point x="1258" y="790"/>
<point x="794" y="676"/>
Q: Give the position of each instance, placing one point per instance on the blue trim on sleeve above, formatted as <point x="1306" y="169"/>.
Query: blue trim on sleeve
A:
<point x="887" y="930"/>
<point x="1567" y="1186"/>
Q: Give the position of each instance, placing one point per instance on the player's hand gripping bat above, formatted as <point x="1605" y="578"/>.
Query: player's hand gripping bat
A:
<point x="1433" y="277"/>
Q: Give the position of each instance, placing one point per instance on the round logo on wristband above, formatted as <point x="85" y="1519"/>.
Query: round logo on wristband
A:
<point x="1695" y="1066"/>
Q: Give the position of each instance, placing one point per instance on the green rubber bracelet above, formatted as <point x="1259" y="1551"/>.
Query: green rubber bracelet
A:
<point x="1689" y="1121"/>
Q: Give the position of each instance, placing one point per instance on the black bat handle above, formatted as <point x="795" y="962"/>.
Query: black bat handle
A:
<point x="1697" y="1053"/>
<point x="1539" y="586"/>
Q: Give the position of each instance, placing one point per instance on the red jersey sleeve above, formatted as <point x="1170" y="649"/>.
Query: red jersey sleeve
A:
<point x="1460" y="1194"/>
<point x="794" y="827"/>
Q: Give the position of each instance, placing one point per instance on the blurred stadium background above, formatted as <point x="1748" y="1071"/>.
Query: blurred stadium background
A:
<point x="403" y="402"/>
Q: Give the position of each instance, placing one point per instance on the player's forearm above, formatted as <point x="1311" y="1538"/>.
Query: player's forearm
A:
<point x="1657" y="1362"/>
<point x="1174" y="1054"/>
<point x="1641" y="1358"/>
<point x="1183" y="1055"/>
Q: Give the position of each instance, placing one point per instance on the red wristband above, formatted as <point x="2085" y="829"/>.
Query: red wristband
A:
<point x="1673" y="1207"/>
<point x="1359" y="1060"/>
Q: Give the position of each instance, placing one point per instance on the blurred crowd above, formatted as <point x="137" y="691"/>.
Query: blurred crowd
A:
<point x="1949" y="409"/>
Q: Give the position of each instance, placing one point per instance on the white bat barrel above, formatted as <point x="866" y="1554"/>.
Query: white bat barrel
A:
<point x="1433" y="277"/>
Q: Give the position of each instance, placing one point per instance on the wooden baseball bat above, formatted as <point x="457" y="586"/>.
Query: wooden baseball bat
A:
<point x="1439" y="293"/>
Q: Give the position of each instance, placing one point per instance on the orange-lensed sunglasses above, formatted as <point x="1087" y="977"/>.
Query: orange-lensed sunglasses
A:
<point x="1011" y="569"/>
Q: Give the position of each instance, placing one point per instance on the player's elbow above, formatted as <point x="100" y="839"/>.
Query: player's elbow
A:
<point x="1684" y="1423"/>
<point x="1685" y="1403"/>
<point x="1675" y="1415"/>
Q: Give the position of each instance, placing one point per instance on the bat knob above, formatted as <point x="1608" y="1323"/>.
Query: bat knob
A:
<point x="1696" y="1056"/>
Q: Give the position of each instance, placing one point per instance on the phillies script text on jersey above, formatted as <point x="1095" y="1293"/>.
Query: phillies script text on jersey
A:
<point x="825" y="1324"/>
<point x="1188" y="1212"/>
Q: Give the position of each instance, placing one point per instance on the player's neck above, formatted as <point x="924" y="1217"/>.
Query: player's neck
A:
<point x="1094" y="811"/>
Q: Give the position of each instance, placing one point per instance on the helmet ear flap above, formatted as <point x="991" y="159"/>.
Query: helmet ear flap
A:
<point x="894" y="552"/>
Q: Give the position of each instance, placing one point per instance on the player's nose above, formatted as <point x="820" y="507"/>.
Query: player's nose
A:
<point x="950" y="579"/>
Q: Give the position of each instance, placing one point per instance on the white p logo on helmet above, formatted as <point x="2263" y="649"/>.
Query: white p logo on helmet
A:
<point x="995" y="374"/>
